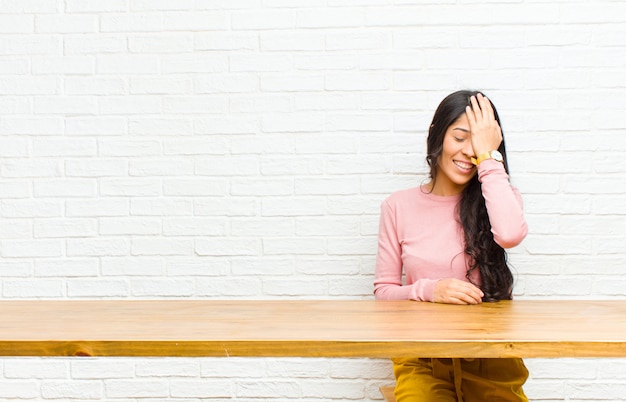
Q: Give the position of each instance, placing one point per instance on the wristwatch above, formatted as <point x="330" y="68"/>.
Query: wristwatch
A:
<point x="495" y="155"/>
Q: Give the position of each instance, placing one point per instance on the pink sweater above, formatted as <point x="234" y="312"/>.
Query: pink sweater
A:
<point x="420" y="232"/>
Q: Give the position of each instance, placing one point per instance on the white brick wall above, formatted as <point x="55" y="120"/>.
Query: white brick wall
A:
<point x="240" y="149"/>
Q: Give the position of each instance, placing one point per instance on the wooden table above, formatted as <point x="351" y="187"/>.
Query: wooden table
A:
<point x="338" y="328"/>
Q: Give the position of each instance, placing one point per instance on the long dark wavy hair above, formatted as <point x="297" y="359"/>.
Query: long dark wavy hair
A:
<point x="485" y="255"/>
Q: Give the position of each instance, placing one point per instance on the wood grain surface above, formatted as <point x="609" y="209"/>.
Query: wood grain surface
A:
<point x="320" y="328"/>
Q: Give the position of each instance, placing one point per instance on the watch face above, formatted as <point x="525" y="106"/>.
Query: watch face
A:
<point x="497" y="156"/>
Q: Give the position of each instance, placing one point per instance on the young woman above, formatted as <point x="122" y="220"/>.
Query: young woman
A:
<point x="449" y="237"/>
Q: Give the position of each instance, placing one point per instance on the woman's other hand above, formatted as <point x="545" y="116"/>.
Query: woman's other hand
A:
<point x="455" y="291"/>
<point x="485" y="131"/>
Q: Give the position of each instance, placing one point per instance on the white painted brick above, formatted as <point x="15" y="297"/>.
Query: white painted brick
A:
<point x="298" y="41"/>
<point x="32" y="45"/>
<point x="64" y="228"/>
<point x="326" y="266"/>
<point x="161" y="207"/>
<point x="135" y="389"/>
<point x="263" y="267"/>
<point x="161" y="167"/>
<point x="298" y="368"/>
<point x="155" y="288"/>
<point x="359" y="122"/>
<point x="329" y="17"/>
<point x="16" y="229"/>
<point x="352" y="165"/>
<point x="94" y="86"/>
<point x="100" y="126"/>
<point x="325" y="61"/>
<point x="15" y="189"/>
<point x="80" y="267"/>
<point x="83" y="389"/>
<point x="240" y="287"/>
<point x="32" y="248"/>
<point x="95" y="167"/>
<point x="262" y="187"/>
<point x="195" y="146"/>
<point x="226" y="83"/>
<point x="361" y="81"/>
<point x="296" y="288"/>
<point x="198" y="266"/>
<point x="358" y="40"/>
<point x="176" y="368"/>
<point x="31" y="208"/>
<point x="65" y="105"/>
<point x="126" y="64"/>
<point x="14" y="105"/>
<point x="293" y="206"/>
<point x="19" y="390"/>
<point x="325" y="101"/>
<point x="158" y="246"/>
<point x="131" y="22"/>
<point x="263" y="19"/>
<point x="28" y="289"/>
<point x="291" y="122"/>
<point x="266" y="62"/>
<point x="194" y="227"/>
<point x="217" y="125"/>
<point x="320" y="186"/>
<point x="170" y="84"/>
<point x="97" y="207"/>
<point x="275" y="145"/>
<point x="16" y="24"/>
<point x="137" y="148"/>
<point x="234" y="367"/>
<point x="351" y="246"/>
<point x="102" y="369"/>
<point x="35" y="369"/>
<point x="194" y="63"/>
<point x="195" y="187"/>
<point x="200" y="104"/>
<point x="347" y="390"/>
<point x="30" y="6"/>
<point x="129" y="226"/>
<point x="157" y="43"/>
<point x="37" y="126"/>
<point x="148" y="187"/>
<point x="97" y="247"/>
<point x="350" y="369"/>
<point x="289" y="83"/>
<point x="94" y="44"/>
<point x="136" y="104"/>
<point x="227" y="246"/>
<point x="226" y="207"/>
<point x="226" y="40"/>
<point x="267" y="102"/>
<point x="97" y="288"/>
<point x="66" y="23"/>
<point x="294" y="246"/>
<point x="268" y="389"/>
<point x="57" y="147"/>
<point x="201" y="389"/>
<point x="132" y="266"/>
<point x="302" y="165"/>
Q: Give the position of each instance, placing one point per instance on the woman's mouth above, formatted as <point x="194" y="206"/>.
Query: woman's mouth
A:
<point x="464" y="166"/>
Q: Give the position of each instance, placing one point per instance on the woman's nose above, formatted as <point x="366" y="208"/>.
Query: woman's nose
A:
<point x="468" y="150"/>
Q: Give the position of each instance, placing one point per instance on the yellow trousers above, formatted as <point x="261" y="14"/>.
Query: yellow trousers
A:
<point x="460" y="380"/>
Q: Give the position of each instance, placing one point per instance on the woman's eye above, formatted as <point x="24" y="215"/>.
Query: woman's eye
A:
<point x="457" y="139"/>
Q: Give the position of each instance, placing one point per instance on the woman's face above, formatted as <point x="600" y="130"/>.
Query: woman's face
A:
<point x="455" y="168"/>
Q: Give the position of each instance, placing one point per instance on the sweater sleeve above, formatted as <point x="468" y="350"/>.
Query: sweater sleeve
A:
<point x="388" y="281"/>
<point x="504" y="204"/>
